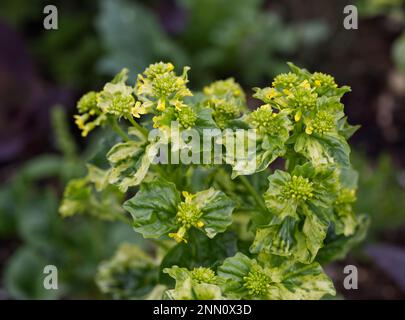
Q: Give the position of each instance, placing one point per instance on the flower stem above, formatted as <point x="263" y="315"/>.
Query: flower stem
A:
<point x="138" y="127"/>
<point x="118" y="130"/>
<point x="253" y="193"/>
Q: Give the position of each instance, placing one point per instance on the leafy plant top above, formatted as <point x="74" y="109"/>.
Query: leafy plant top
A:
<point x="196" y="174"/>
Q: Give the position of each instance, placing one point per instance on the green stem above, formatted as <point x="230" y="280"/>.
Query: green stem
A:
<point x="141" y="129"/>
<point x="253" y="193"/>
<point x="118" y="130"/>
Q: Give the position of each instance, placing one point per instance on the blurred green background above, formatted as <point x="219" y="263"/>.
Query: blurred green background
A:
<point x="43" y="72"/>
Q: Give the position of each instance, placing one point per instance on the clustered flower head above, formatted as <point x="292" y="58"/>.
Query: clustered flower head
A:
<point x="346" y="195"/>
<point x="285" y="81"/>
<point x="227" y="100"/>
<point x="186" y="117"/>
<point x="90" y="115"/>
<point x="256" y="281"/>
<point x="203" y="275"/>
<point x="116" y="99"/>
<point x="323" y="82"/>
<point x="159" y="87"/>
<point x="188" y="215"/>
<point x="323" y="122"/>
<point x="267" y="121"/>
<point x="299" y="188"/>
<point x="304" y="96"/>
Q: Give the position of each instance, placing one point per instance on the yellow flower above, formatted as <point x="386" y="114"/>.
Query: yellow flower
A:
<point x="297" y="116"/>
<point x="138" y="110"/>
<point x="272" y="93"/>
<point x="179" y="235"/>
<point x="187" y="196"/>
<point x="161" y="105"/>
<point x="305" y="84"/>
<point x="156" y="120"/>
<point x="308" y="130"/>
<point x="200" y="224"/>
<point x="287" y="92"/>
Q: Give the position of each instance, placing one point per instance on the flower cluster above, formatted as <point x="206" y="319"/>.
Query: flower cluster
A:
<point x="227" y="100"/>
<point x="240" y="231"/>
<point x="188" y="215"/>
<point x="116" y="99"/>
<point x="159" y="87"/>
<point x="309" y="98"/>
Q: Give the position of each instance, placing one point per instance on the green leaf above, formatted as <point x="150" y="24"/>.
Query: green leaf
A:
<point x="337" y="246"/>
<point x="130" y="162"/>
<point x="204" y="118"/>
<point x="216" y="210"/>
<point x="255" y="156"/>
<point x="133" y="48"/>
<point x="75" y="198"/>
<point x="312" y="149"/>
<point x="80" y="197"/>
<point x="154" y="208"/>
<point x="299" y="212"/>
<point x="345" y="129"/>
<point x="190" y="288"/>
<point x="130" y="274"/>
<point x="299" y="281"/>
<point x="323" y="149"/>
<point x="280" y="239"/>
<point x="157" y="210"/>
<point x="273" y="278"/>
<point x="199" y="252"/>
<point x="337" y="147"/>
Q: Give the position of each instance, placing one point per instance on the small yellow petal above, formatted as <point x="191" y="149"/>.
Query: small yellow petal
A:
<point x="297" y="116"/>
<point x="305" y="84"/>
<point x="308" y="130"/>
<point x="287" y="92"/>
<point x="161" y="105"/>
<point x="200" y="224"/>
<point x="179" y="235"/>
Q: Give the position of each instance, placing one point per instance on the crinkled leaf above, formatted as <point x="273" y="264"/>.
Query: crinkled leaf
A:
<point x="298" y="281"/>
<point x="336" y="247"/>
<point x="130" y="274"/>
<point x="216" y="210"/>
<point x="296" y="227"/>
<point x="280" y="279"/>
<point x="130" y="162"/>
<point x="199" y="251"/>
<point x="188" y="289"/>
<point x="154" y="208"/>
<point x="254" y="156"/>
<point x="81" y="198"/>
<point x="345" y="129"/>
